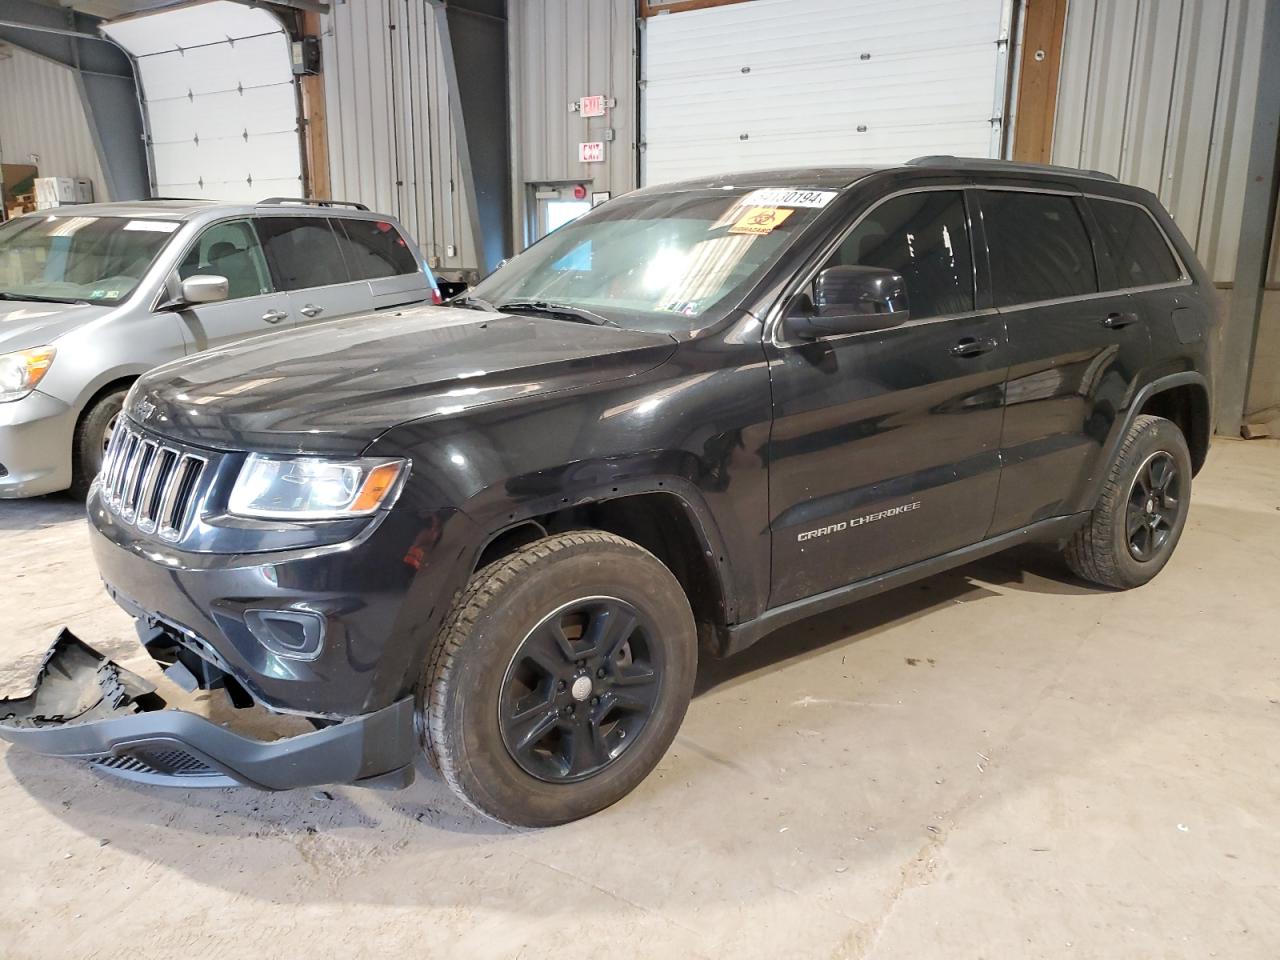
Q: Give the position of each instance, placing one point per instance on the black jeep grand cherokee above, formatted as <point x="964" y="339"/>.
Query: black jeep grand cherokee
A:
<point x="501" y="533"/>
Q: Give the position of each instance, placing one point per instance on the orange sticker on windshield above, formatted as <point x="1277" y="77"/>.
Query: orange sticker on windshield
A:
<point x="760" y="220"/>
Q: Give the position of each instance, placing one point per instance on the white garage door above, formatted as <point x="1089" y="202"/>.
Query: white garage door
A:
<point x="807" y="82"/>
<point x="218" y="90"/>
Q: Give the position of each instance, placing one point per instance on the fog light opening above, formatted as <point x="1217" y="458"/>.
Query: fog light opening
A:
<point x="293" y="634"/>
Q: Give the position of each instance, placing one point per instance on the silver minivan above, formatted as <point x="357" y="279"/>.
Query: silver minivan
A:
<point x="93" y="296"/>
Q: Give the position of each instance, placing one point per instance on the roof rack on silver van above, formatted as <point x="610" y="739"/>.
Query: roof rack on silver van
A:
<point x="312" y="203"/>
<point x="984" y="163"/>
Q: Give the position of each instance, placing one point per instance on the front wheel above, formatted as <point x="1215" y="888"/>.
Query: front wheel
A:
<point x="92" y="435"/>
<point x="1141" y="513"/>
<point x="559" y="679"/>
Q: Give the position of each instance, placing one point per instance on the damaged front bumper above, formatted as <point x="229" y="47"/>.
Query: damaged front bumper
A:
<point x="87" y="707"/>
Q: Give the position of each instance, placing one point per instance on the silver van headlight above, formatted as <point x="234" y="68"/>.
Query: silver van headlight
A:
<point x="22" y="370"/>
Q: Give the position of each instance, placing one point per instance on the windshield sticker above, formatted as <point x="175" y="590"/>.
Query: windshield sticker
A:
<point x="780" y="197"/>
<point x="687" y="308"/>
<point x="97" y="295"/>
<point x="759" y="221"/>
<point x="152" y="226"/>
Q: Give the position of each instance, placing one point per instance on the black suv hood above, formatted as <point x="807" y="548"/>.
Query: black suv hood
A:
<point x="334" y="387"/>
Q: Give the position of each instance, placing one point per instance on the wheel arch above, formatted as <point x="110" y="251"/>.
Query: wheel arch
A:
<point x="120" y="382"/>
<point x="1183" y="399"/>
<point x="117" y="378"/>
<point x="664" y="517"/>
<point x="1186" y="396"/>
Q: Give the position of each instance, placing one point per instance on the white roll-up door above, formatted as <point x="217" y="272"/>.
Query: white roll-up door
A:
<point x="218" y="90"/>
<point x="777" y="83"/>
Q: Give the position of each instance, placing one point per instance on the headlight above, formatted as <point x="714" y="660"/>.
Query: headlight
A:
<point x="21" y="371"/>
<point x="314" y="488"/>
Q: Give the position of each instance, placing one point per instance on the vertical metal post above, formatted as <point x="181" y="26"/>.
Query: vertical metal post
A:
<point x="1240" y="334"/>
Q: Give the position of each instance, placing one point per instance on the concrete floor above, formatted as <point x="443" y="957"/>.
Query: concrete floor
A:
<point x="995" y="763"/>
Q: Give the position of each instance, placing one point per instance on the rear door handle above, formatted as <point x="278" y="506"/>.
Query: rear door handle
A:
<point x="310" y="310"/>
<point x="274" y="316"/>
<point x="1114" y="321"/>
<point x="971" y="347"/>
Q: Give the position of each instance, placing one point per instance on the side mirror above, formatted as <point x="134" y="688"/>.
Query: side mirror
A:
<point x="203" y="288"/>
<point x="851" y="299"/>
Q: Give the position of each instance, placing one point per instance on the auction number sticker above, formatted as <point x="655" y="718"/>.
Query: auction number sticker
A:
<point x="780" y="197"/>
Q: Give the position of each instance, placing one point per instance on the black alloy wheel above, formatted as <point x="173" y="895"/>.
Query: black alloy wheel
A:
<point x="580" y="688"/>
<point x="1141" y="510"/>
<point x="559" y="678"/>
<point x="1154" y="504"/>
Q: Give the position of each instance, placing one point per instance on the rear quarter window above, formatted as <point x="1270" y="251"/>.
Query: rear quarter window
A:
<point x="1139" y="252"/>
<point x="374" y="248"/>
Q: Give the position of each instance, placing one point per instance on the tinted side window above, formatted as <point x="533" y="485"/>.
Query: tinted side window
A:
<point x="229" y="250"/>
<point x="374" y="248"/>
<point x="1039" y="247"/>
<point x="1138" y="248"/>
<point x="302" y="251"/>
<point x="925" y="238"/>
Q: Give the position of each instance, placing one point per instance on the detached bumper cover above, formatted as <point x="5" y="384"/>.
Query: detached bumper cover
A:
<point x="86" y="707"/>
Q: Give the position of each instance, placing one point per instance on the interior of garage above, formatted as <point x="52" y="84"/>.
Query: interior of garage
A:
<point x="998" y="761"/>
<point x="373" y="102"/>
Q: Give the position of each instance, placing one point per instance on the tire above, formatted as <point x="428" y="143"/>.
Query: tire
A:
<point x="89" y="443"/>
<point x="497" y="654"/>
<point x="1112" y="549"/>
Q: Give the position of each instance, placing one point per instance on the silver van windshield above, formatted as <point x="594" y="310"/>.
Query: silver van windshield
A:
<point x="64" y="258"/>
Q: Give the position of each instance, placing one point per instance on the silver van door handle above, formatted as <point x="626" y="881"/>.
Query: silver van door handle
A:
<point x="274" y="316"/>
<point x="310" y="310"/>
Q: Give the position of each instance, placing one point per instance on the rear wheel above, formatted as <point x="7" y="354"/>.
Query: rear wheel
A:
<point x="1140" y="516"/>
<point x="92" y="435"/>
<point x="559" y="679"/>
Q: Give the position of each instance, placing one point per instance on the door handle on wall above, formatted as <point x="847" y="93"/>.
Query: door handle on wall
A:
<point x="1114" y="321"/>
<point x="971" y="347"/>
<point x="310" y="310"/>
<point x="274" y="316"/>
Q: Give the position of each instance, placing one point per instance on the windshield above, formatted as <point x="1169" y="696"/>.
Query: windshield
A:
<point x="669" y="262"/>
<point x="70" y="259"/>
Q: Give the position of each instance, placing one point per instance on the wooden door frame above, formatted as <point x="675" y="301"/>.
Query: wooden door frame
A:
<point x="1044" y="25"/>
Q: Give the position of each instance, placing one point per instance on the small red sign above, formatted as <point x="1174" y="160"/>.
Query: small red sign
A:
<point x="591" y="106"/>
<point x="592" y="152"/>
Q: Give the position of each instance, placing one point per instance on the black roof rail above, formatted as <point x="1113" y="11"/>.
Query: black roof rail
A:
<point x="313" y="203"/>
<point x="985" y="163"/>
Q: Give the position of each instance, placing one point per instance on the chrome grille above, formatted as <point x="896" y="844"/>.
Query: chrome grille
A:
<point x="148" y="484"/>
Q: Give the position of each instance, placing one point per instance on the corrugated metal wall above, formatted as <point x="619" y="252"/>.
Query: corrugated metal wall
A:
<point x="562" y="50"/>
<point x="41" y="113"/>
<point x="392" y="141"/>
<point x="1161" y="94"/>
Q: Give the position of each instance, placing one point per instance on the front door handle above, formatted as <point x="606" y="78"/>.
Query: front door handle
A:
<point x="973" y="347"/>
<point x="274" y="316"/>
<point x="310" y="310"/>
<point x="1114" y="321"/>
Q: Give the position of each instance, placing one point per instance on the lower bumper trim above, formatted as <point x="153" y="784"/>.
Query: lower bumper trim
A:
<point x="87" y="707"/>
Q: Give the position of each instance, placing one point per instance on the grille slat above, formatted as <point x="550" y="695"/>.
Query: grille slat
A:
<point x="150" y="485"/>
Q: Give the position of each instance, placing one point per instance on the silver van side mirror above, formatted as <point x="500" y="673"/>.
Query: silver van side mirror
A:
<point x="204" y="288"/>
